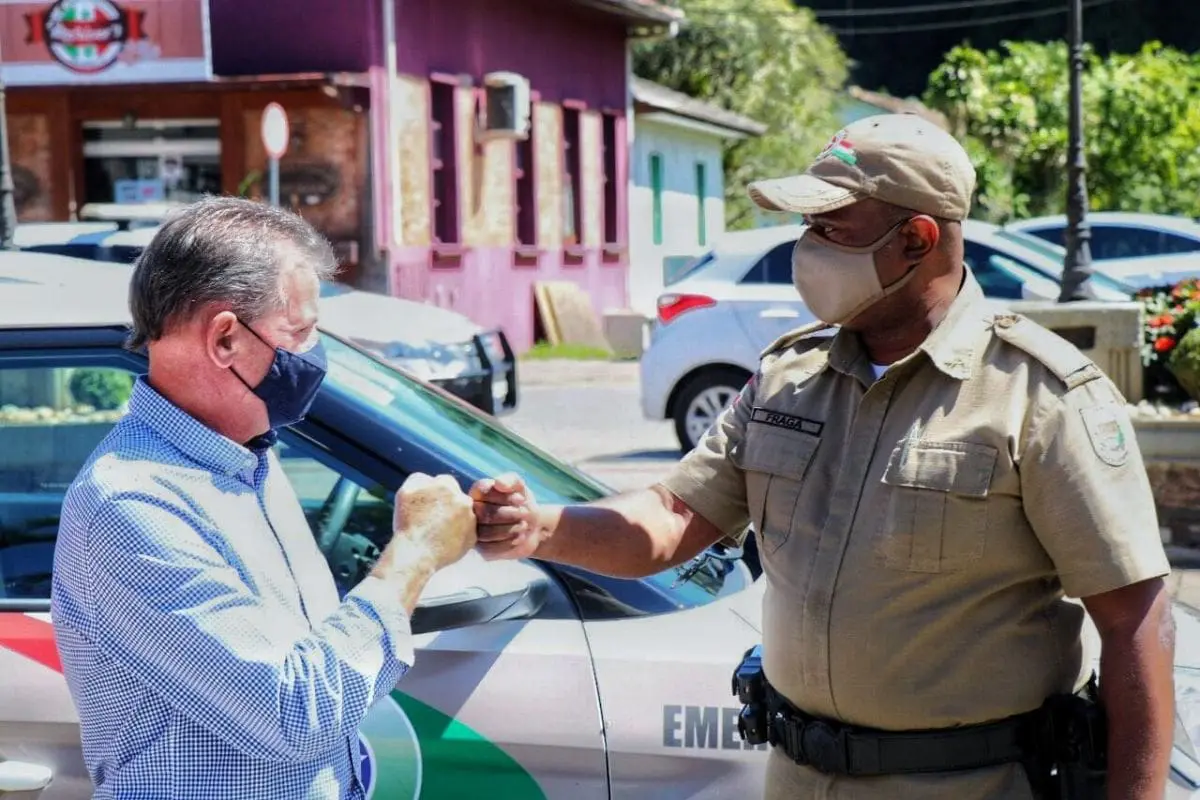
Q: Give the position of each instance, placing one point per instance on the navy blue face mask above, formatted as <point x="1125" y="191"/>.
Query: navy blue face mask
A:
<point x="291" y="383"/>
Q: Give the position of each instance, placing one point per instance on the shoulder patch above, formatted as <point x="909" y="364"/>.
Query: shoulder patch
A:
<point x="793" y="336"/>
<point x="1107" y="434"/>
<point x="1055" y="353"/>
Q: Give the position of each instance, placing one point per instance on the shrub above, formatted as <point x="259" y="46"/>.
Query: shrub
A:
<point x="1171" y="314"/>
<point x="1184" y="363"/>
<point x="102" y="389"/>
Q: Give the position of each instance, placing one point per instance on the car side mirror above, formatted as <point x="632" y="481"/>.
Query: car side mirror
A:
<point x="473" y="591"/>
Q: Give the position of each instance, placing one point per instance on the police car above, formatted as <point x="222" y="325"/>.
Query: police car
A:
<point x="434" y="343"/>
<point x="531" y="680"/>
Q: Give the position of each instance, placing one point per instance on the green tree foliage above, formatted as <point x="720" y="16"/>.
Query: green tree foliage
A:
<point x="897" y="51"/>
<point x="1141" y="117"/>
<point x="102" y="389"/>
<point x="766" y="59"/>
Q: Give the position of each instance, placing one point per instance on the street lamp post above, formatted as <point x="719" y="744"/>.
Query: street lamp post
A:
<point x="1078" y="265"/>
<point x="8" y="204"/>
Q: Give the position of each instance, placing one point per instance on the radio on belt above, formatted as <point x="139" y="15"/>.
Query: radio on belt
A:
<point x="749" y="686"/>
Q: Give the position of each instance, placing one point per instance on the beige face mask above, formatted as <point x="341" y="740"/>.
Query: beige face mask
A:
<point x="837" y="282"/>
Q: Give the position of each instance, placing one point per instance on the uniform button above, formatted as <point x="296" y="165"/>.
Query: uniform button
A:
<point x="1005" y="322"/>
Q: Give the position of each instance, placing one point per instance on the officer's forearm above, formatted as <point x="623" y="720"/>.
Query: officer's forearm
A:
<point x="629" y="535"/>
<point x="1136" y="665"/>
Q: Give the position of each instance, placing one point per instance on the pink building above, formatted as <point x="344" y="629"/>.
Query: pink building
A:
<point x="387" y="101"/>
<point x="460" y="217"/>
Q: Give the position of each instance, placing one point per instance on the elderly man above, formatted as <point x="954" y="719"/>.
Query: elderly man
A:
<point x="927" y="486"/>
<point x="199" y="627"/>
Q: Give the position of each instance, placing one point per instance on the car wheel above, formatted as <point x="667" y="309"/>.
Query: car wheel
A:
<point x="702" y="400"/>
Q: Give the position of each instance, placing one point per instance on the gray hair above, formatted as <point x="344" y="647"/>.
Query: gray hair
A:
<point x="220" y="250"/>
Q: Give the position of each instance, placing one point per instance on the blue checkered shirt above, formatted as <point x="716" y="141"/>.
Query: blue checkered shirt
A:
<point x="199" y="626"/>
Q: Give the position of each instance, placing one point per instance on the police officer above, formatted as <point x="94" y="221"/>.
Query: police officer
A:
<point x="931" y="483"/>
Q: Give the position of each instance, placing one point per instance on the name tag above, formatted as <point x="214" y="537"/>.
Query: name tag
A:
<point x="777" y="419"/>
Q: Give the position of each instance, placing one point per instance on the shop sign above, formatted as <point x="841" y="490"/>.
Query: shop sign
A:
<point x="71" y="42"/>
<point x="139" y="190"/>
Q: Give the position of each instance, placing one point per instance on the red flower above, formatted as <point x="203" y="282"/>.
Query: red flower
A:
<point x="1163" y="321"/>
<point x="1163" y="343"/>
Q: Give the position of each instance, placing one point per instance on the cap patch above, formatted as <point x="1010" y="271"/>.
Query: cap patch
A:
<point x="840" y="148"/>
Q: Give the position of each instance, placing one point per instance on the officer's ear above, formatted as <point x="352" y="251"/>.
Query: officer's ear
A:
<point x="919" y="237"/>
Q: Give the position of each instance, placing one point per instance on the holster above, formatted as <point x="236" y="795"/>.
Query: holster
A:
<point x="1062" y="745"/>
<point x="1069" y="758"/>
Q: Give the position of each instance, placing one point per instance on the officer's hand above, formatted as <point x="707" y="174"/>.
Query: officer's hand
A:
<point x="434" y="515"/>
<point x="506" y="515"/>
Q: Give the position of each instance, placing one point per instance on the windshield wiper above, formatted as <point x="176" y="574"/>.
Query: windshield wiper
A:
<point x="720" y="564"/>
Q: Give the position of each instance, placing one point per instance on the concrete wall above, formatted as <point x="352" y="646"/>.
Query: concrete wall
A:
<point x="269" y="37"/>
<point x="681" y="150"/>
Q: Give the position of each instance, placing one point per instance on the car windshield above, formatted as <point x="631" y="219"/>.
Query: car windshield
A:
<point x="481" y="445"/>
<point x="1047" y="249"/>
<point x="472" y="440"/>
<point x="677" y="268"/>
<point x="1057" y="255"/>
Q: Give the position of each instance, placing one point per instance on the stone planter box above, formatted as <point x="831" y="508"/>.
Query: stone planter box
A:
<point x="1171" y="449"/>
<point x="46" y="457"/>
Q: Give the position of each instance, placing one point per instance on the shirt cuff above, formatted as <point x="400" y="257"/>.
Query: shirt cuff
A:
<point x="1134" y="566"/>
<point x="382" y="600"/>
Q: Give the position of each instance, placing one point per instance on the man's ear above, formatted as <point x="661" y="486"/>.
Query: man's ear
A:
<point x="920" y="237"/>
<point x="221" y="341"/>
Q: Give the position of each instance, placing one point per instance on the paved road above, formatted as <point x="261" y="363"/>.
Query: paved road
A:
<point x="598" y="428"/>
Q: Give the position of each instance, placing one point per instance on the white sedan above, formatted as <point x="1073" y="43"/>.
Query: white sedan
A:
<point x="1122" y="234"/>
<point x="731" y="302"/>
<point x="1142" y="250"/>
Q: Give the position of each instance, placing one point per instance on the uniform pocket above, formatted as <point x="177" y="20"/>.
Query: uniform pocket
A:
<point x="775" y="461"/>
<point x="937" y="510"/>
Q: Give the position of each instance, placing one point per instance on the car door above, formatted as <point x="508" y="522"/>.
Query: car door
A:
<point x="508" y="706"/>
<point x="770" y="305"/>
<point x="53" y="413"/>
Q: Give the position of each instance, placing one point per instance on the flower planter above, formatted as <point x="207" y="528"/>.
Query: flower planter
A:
<point x="1185" y="363"/>
<point x="1171" y="341"/>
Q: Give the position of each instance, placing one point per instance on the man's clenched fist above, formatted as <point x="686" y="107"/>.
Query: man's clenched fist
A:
<point x="507" y="518"/>
<point x="435" y="514"/>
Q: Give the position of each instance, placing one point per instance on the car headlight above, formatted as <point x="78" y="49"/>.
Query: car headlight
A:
<point x="435" y="361"/>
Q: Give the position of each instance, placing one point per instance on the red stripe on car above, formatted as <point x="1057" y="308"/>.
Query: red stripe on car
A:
<point x="32" y="638"/>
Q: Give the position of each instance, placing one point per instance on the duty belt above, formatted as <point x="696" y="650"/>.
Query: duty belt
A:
<point x="837" y="749"/>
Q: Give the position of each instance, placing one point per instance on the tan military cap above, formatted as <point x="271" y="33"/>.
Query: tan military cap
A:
<point x="902" y="159"/>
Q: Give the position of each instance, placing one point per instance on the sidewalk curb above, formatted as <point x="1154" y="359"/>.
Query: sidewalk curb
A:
<point x="564" y="372"/>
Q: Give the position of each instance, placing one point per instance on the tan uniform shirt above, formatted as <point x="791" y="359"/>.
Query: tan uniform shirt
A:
<point x="918" y="532"/>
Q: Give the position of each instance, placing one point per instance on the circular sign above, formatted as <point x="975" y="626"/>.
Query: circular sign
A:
<point x="275" y="132"/>
<point x="86" y="36"/>
<point x="366" y="762"/>
<point x="390" y="760"/>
